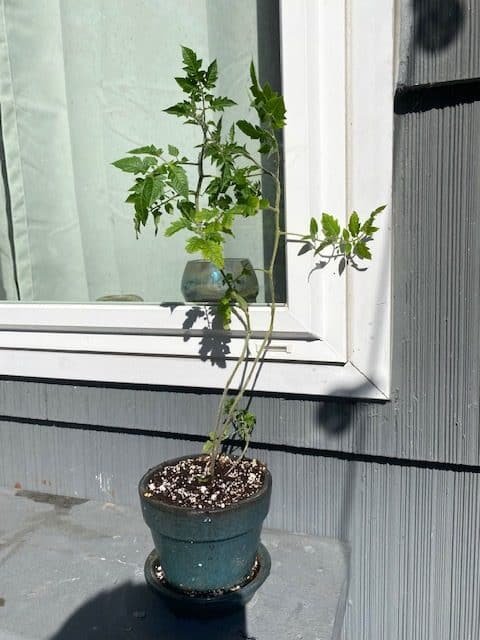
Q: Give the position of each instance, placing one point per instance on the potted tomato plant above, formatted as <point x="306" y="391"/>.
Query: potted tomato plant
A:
<point x="206" y="512"/>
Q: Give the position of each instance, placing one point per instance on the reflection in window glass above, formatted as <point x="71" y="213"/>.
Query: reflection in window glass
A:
<point x="83" y="82"/>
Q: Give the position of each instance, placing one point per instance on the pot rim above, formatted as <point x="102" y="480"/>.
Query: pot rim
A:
<point x="173" y="508"/>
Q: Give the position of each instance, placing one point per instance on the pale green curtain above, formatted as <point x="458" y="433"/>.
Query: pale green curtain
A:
<point x="81" y="82"/>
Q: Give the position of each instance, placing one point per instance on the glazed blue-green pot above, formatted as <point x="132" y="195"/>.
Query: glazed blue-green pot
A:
<point x="200" y="550"/>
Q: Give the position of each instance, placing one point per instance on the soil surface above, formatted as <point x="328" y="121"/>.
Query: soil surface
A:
<point x="185" y="484"/>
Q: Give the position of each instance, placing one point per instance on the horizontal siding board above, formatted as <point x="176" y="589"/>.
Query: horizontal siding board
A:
<point x="413" y="532"/>
<point x="439" y="41"/>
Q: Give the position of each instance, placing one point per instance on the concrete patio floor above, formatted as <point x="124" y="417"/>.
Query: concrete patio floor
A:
<point x="72" y="569"/>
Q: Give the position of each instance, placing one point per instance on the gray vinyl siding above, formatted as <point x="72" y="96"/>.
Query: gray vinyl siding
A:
<point x="399" y="480"/>
<point x="439" y="41"/>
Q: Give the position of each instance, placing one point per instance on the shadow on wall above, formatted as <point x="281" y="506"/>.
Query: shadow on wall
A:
<point x="135" y="611"/>
<point x="436" y="23"/>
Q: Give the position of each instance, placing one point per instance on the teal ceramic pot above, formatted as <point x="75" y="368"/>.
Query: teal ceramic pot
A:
<point x="202" y="281"/>
<point x="200" y="550"/>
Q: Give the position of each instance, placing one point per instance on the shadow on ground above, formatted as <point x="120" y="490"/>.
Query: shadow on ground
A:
<point x="135" y="612"/>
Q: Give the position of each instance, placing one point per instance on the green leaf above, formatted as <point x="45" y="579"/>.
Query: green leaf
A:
<point x="249" y="129"/>
<point x="180" y="109"/>
<point x="220" y="103"/>
<point x="147" y="191"/>
<point x="173" y="151"/>
<point x="129" y="165"/>
<point x="186" y="85"/>
<point x="148" y="162"/>
<point x="194" y="244"/>
<point x="190" y="60"/>
<point x="313" y="227"/>
<point x="212" y="74"/>
<point x="150" y="149"/>
<point x="177" y="225"/>
<point x="158" y="188"/>
<point x="207" y="446"/>
<point x="362" y="251"/>
<point x="210" y="250"/>
<point x="354" y="224"/>
<point x="330" y="226"/>
<point x="378" y="210"/>
<point x="255" y="89"/>
<point x="224" y="310"/>
<point x="346" y="235"/>
<point x="178" y="179"/>
<point x="240" y="300"/>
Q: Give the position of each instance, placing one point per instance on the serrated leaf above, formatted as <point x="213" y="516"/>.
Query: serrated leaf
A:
<point x="178" y="180"/>
<point x="362" y="251"/>
<point x="185" y="84"/>
<point x="354" y="224"/>
<point x="249" y="129"/>
<point x="194" y="244"/>
<point x="129" y="164"/>
<point x="190" y="59"/>
<point x="150" y="149"/>
<point x="180" y="109"/>
<point x="212" y="74"/>
<point x="221" y="103"/>
<point x="214" y="253"/>
<point x="177" y="225"/>
<point x="313" y="227"/>
<point x="207" y="446"/>
<point x="148" y="162"/>
<point x="330" y="226"/>
<point x="158" y="188"/>
<point x="147" y="191"/>
<point x="173" y="151"/>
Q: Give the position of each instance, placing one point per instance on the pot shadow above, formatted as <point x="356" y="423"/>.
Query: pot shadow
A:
<point x="136" y="612"/>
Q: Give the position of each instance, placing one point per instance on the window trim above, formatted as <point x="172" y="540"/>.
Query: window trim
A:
<point x="344" y="352"/>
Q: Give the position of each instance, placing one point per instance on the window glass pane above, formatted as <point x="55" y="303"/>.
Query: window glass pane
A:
<point x="82" y="83"/>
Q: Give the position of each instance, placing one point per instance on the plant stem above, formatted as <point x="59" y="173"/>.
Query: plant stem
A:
<point x="242" y="360"/>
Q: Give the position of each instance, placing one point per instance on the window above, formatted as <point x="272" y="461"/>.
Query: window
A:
<point x="332" y="335"/>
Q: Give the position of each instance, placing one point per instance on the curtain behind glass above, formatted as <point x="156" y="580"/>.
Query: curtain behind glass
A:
<point x="81" y="83"/>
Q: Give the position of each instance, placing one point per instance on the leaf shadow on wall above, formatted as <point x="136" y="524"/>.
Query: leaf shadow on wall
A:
<point x="214" y="341"/>
<point x="437" y="23"/>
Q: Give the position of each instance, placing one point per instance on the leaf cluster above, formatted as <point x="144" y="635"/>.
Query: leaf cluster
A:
<point x="228" y="182"/>
<point x="349" y="243"/>
<point x="239" y="424"/>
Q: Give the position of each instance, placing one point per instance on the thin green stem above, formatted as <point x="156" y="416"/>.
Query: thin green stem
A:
<point x="242" y="360"/>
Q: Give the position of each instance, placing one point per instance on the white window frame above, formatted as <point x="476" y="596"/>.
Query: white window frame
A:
<point x="333" y="338"/>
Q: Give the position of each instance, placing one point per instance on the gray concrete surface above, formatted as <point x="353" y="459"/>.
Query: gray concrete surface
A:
<point x="73" y="569"/>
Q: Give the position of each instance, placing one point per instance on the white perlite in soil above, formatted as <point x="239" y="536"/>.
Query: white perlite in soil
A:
<point x="185" y="484"/>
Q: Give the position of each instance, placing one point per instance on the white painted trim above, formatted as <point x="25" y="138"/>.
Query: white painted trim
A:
<point x="309" y="379"/>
